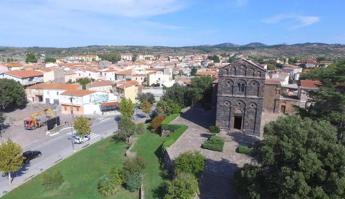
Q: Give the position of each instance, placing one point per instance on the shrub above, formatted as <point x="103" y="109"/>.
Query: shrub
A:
<point x="157" y="121"/>
<point x="106" y="187"/>
<point x="214" y="129"/>
<point x="184" y="186"/>
<point x="116" y="176"/>
<point x="52" y="180"/>
<point x="190" y="162"/>
<point x="133" y="181"/>
<point x="244" y="149"/>
<point x="132" y="172"/>
<point x="214" y="143"/>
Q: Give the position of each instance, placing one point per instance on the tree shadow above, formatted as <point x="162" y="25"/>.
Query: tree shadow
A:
<point x="21" y="171"/>
<point x="198" y="115"/>
<point x="243" y="139"/>
<point x="216" y="180"/>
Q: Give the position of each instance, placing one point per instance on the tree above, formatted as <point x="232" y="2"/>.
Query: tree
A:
<point x="106" y="187"/>
<point x="202" y="90"/>
<point x="127" y="128"/>
<point x="112" y="57"/>
<point x="82" y="126"/>
<point x="190" y="162"/>
<point x="146" y="106"/>
<point x="2" y="121"/>
<point x="84" y="81"/>
<point x="329" y="102"/>
<point x="168" y="107"/>
<point x="157" y="121"/>
<point x="126" y="107"/>
<point x="146" y="97"/>
<point x="133" y="173"/>
<point x="30" y="58"/>
<point x="11" y="158"/>
<point x="49" y="60"/>
<point x="184" y="186"/>
<point x="178" y="94"/>
<point x="12" y="94"/>
<point x="299" y="158"/>
<point x="134" y="58"/>
<point x="214" y="58"/>
<point x="193" y="71"/>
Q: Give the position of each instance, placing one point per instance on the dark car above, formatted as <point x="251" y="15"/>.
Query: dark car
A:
<point x="30" y="155"/>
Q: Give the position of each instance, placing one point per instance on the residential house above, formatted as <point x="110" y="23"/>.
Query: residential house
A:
<point x="128" y="89"/>
<point x="24" y="77"/>
<point x="82" y="102"/>
<point x="48" y="93"/>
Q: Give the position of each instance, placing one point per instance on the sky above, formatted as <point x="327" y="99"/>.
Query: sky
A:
<point x="70" y="23"/>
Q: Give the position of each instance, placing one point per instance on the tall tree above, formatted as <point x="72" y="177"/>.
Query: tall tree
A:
<point x="126" y="107"/>
<point x="146" y="106"/>
<point x="12" y="94"/>
<point x="84" y="81"/>
<point x="127" y="128"/>
<point x="329" y="102"/>
<point x="31" y="58"/>
<point x="82" y="126"/>
<point x="299" y="158"/>
<point x="146" y="97"/>
<point x="11" y="158"/>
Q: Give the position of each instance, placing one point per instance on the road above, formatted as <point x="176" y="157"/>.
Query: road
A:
<point x="56" y="149"/>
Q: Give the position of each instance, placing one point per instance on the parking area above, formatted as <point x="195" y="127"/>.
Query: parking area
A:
<point x="27" y="138"/>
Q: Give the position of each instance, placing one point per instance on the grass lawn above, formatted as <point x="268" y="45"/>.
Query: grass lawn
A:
<point x="146" y="147"/>
<point x="81" y="173"/>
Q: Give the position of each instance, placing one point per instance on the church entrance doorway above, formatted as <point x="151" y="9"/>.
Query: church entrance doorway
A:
<point x="238" y="122"/>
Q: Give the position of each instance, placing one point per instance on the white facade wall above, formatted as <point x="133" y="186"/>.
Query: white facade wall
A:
<point x="25" y="81"/>
<point x="52" y="96"/>
<point x="160" y="78"/>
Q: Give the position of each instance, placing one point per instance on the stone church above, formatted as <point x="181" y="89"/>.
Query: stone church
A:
<point x="240" y="95"/>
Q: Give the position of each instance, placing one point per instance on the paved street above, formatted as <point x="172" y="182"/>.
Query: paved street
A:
<point x="55" y="149"/>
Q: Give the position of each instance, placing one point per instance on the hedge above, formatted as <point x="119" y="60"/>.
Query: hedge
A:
<point x="214" y="143"/>
<point x="244" y="149"/>
<point x="171" y="139"/>
<point x="170" y="118"/>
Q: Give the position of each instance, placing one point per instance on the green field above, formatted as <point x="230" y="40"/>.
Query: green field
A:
<point x="81" y="173"/>
<point x="146" y="147"/>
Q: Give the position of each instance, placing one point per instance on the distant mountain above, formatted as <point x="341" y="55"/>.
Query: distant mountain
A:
<point x="225" y="45"/>
<point x="255" y="45"/>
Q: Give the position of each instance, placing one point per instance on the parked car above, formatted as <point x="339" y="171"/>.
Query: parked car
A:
<point x="30" y="155"/>
<point x="80" y="139"/>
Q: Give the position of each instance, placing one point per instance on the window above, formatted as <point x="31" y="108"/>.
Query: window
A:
<point x="241" y="87"/>
<point x="77" y="108"/>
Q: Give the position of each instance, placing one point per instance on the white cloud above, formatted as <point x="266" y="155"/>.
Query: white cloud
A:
<point x="295" y="21"/>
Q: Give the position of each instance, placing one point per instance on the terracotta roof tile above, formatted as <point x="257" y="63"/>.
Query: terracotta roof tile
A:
<point x="310" y="83"/>
<point x="55" y="86"/>
<point x="24" y="73"/>
<point x="126" y="84"/>
<point x="101" y="83"/>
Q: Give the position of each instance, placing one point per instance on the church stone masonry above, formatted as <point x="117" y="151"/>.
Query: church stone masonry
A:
<point x="240" y="97"/>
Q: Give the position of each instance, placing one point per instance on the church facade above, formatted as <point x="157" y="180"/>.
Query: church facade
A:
<point x="240" y="97"/>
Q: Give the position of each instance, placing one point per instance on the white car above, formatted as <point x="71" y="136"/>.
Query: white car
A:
<point x="79" y="140"/>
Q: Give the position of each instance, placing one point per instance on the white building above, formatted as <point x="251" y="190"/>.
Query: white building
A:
<point x="24" y="77"/>
<point x="163" y="78"/>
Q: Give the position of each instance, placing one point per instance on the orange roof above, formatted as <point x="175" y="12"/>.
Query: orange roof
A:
<point x="310" y="83"/>
<point x="101" y="83"/>
<point x="110" y="104"/>
<point x="77" y="93"/>
<point x="124" y="72"/>
<point x="24" y="73"/>
<point x="126" y="84"/>
<point x="55" y="86"/>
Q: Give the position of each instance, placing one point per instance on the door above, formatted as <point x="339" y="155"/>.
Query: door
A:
<point x="238" y="122"/>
